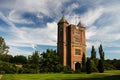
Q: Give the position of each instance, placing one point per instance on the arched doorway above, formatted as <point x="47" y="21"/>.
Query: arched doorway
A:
<point x="77" y="66"/>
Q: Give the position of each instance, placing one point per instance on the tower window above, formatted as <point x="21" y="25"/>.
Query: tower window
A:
<point x="77" y="40"/>
<point x="77" y="32"/>
<point x="77" y="52"/>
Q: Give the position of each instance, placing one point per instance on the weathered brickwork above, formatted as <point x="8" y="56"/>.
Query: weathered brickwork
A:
<point x="71" y="43"/>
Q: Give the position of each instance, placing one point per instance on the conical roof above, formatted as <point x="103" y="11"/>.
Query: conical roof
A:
<point x="79" y="24"/>
<point x="63" y="20"/>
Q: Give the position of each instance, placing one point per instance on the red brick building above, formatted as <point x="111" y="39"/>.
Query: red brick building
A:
<point x="71" y="43"/>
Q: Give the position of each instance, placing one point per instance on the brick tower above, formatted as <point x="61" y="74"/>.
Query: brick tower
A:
<point x="71" y="43"/>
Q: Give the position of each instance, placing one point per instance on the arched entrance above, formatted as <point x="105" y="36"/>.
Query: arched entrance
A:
<point x="77" y="66"/>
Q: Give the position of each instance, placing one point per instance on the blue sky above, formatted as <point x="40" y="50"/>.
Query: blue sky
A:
<point x="29" y="25"/>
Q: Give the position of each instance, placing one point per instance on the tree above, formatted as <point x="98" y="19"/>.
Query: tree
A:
<point x="49" y="61"/>
<point x="100" y="66"/>
<point x="93" y="66"/>
<point x="93" y="53"/>
<point x="3" y="47"/>
<point x="88" y="66"/>
<point x="101" y="61"/>
<point x="6" y="57"/>
<point x="19" y="59"/>
<point x="94" y="60"/>
<point x="35" y="60"/>
<point x="101" y="52"/>
<point x="83" y="63"/>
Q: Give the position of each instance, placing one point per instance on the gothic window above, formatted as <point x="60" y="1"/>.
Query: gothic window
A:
<point x="77" y="52"/>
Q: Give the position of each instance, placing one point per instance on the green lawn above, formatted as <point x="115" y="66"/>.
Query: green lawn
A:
<point x="108" y="75"/>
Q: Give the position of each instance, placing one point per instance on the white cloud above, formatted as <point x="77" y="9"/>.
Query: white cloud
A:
<point x="16" y="17"/>
<point x="91" y="32"/>
<point x="25" y="36"/>
<point x="91" y="16"/>
<point x="29" y="37"/>
<point x="88" y="18"/>
<point x="44" y="36"/>
<point x="5" y="19"/>
<point x="46" y="7"/>
<point x="16" y="51"/>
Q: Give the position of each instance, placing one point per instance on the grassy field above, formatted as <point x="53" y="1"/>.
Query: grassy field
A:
<point x="108" y="75"/>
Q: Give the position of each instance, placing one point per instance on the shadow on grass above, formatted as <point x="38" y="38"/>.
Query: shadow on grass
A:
<point x="113" y="77"/>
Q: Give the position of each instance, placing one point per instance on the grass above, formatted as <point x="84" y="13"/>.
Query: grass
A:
<point x="108" y="75"/>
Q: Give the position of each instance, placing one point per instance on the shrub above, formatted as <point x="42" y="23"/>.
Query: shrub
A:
<point x="88" y="66"/>
<point x="7" y="68"/>
<point x="93" y="66"/>
<point x="67" y="69"/>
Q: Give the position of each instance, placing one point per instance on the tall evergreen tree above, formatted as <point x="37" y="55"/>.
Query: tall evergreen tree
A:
<point x="88" y="66"/>
<point x="83" y="62"/>
<point x="101" y="61"/>
<point x="101" y="52"/>
<point x="93" y="60"/>
<point x="93" y="53"/>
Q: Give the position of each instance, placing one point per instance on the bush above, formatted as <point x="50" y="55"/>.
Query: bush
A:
<point x="67" y="69"/>
<point x="88" y="66"/>
<point x="7" y="68"/>
<point x="58" y="68"/>
<point x="108" y="66"/>
<point x="93" y="66"/>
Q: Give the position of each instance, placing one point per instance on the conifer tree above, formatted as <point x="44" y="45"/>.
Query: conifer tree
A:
<point x="93" y="60"/>
<point x="88" y="66"/>
<point x="101" y="52"/>
<point x="101" y="61"/>
<point x="93" y="53"/>
<point x="83" y="62"/>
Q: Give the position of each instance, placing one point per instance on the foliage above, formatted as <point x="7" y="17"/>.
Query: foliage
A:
<point x="101" y="61"/>
<point x="7" y="68"/>
<point x="93" y="53"/>
<point x="100" y="66"/>
<point x="83" y="63"/>
<point x="49" y="61"/>
<point x="19" y="59"/>
<point x="6" y="57"/>
<point x="108" y="66"/>
<point x="101" y="52"/>
<point x="3" y="47"/>
<point x="88" y="66"/>
<point x="93" y="66"/>
<point x="112" y="64"/>
<point x="67" y="69"/>
<point x="116" y="63"/>
<point x="35" y="60"/>
<point x="94" y="60"/>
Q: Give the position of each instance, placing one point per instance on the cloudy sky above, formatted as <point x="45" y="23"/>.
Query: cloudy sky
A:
<point x="27" y="25"/>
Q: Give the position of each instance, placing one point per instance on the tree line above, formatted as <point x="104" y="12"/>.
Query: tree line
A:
<point x="95" y="64"/>
<point x="48" y="61"/>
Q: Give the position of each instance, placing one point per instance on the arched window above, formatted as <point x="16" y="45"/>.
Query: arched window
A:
<point x="77" y="66"/>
